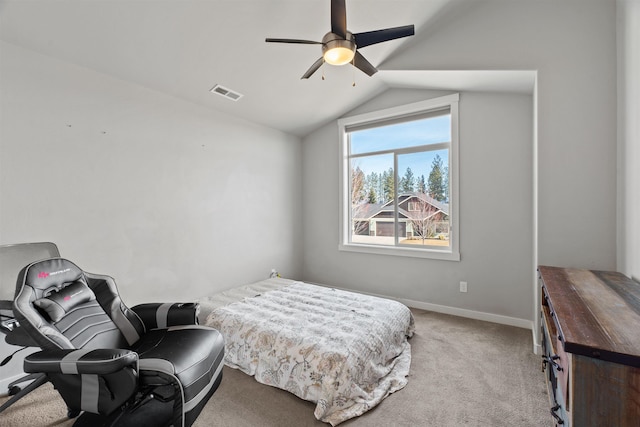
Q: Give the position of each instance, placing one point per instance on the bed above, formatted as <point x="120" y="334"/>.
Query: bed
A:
<point x="343" y="351"/>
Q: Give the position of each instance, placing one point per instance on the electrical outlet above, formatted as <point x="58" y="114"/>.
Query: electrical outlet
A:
<point x="463" y="286"/>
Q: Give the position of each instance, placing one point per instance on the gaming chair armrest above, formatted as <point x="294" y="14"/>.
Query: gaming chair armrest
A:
<point x="97" y="381"/>
<point x="97" y="362"/>
<point x="161" y="315"/>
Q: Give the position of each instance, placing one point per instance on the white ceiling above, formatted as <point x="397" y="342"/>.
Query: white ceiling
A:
<point x="185" y="47"/>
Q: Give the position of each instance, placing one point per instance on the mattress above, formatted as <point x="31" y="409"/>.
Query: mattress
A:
<point x="342" y="350"/>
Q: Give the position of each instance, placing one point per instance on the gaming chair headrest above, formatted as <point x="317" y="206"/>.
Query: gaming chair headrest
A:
<point x="50" y="275"/>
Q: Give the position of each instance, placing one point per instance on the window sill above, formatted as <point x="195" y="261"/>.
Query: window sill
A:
<point x="442" y="255"/>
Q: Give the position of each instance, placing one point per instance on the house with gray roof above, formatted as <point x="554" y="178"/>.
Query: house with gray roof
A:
<point x="419" y="216"/>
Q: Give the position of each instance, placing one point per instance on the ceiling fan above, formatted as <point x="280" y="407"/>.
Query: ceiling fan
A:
<point x="340" y="46"/>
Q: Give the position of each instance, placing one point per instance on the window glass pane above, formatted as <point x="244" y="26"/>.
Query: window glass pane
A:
<point x="425" y="172"/>
<point x="372" y="191"/>
<point x="431" y="130"/>
<point x="423" y="198"/>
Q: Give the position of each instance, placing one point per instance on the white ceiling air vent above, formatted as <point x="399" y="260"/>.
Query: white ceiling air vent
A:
<point x="227" y="93"/>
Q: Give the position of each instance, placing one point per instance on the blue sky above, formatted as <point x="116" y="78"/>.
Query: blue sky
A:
<point x="409" y="134"/>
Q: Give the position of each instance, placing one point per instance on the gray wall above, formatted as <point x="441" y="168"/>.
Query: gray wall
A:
<point x="174" y="200"/>
<point x="572" y="45"/>
<point x="568" y="218"/>
<point x="629" y="137"/>
<point x="496" y="196"/>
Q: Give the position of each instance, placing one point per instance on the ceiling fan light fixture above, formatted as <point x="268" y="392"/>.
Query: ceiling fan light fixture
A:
<point x="338" y="51"/>
<point x="339" y="56"/>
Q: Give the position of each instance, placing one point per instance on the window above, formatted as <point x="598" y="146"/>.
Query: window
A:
<point x="399" y="180"/>
<point x="414" y="206"/>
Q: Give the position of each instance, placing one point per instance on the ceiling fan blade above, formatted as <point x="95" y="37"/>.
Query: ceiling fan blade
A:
<point x="378" y="36"/>
<point x="297" y="41"/>
<point x="362" y="64"/>
<point x="313" y="68"/>
<point x="339" y="18"/>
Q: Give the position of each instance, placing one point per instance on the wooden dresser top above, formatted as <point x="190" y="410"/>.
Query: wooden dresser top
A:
<point x="597" y="312"/>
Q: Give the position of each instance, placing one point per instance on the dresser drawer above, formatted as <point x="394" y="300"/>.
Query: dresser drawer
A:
<point x="557" y="358"/>
<point x="557" y="391"/>
<point x="554" y="369"/>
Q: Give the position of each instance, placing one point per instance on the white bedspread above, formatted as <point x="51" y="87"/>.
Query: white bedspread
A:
<point x="341" y="350"/>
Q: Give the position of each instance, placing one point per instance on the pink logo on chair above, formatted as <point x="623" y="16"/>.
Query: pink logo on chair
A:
<point x="44" y="274"/>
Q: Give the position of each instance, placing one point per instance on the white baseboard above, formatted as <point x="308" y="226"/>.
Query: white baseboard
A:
<point x="471" y="314"/>
<point x="537" y="348"/>
<point x="461" y="312"/>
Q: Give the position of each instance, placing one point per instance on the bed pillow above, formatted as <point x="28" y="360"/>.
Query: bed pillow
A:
<point x="59" y="303"/>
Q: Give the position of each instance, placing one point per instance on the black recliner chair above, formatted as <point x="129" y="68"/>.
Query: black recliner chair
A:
<point x="149" y="365"/>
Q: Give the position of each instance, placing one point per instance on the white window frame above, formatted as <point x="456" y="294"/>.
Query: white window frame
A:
<point x="452" y="253"/>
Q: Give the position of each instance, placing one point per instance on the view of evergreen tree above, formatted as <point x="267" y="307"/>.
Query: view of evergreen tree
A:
<point x="372" y="186"/>
<point x="407" y="182"/>
<point x="436" y="187"/>
<point x="388" y="183"/>
<point x="445" y="183"/>
<point x="379" y="187"/>
<point x="371" y="198"/>
<point x="422" y="186"/>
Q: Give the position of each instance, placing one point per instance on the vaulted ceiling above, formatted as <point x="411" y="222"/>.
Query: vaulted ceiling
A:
<point x="185" y="47"/>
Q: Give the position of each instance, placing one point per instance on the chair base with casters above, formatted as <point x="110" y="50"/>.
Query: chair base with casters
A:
<point x="149" y="365"/>
<point x="16" y="336"/>
<point x="18" y="393"/>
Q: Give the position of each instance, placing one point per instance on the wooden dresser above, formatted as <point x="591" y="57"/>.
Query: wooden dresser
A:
<point x="591" y="346"/>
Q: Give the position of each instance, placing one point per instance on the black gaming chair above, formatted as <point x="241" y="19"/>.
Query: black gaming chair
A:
<point x="151" y="365"/>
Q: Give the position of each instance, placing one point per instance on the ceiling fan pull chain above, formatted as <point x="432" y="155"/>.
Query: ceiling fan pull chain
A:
<point x="353" y="62"/>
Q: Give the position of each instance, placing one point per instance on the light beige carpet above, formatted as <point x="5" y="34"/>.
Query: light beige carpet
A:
<point x="463" y="372"/>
